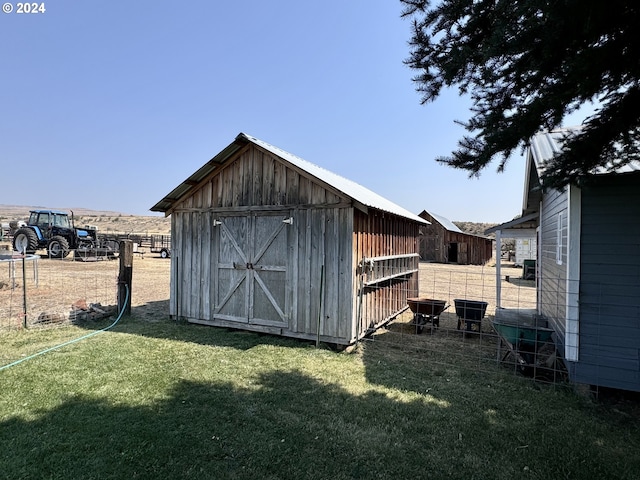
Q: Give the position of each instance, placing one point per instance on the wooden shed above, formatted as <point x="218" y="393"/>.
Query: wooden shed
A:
<point x="263" y="240"/>
<point x="588" y="268"/>
<point x="443" y="242"/>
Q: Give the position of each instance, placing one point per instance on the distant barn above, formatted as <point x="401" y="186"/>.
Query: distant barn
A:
<point x="444" y="242"/>
<point x="266" y="241"/>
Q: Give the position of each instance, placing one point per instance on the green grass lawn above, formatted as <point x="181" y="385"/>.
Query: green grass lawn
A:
<point x="168" y="400"/>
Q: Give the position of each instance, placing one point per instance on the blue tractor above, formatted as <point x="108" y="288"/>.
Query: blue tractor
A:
<point x="54" y="231"/>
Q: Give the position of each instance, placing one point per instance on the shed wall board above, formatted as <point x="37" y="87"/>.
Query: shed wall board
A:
<point x="378" y="235"/>
<point x="318" y="237"/>
<point x="433" y="241"/>
<point x="323" y="254"/>
<point x="215" y="282"/>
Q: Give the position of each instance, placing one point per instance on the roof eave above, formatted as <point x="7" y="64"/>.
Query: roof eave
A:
<point x="166" y="205"/>
<point x="525" y="222"/>
<point x="169" y="202"/>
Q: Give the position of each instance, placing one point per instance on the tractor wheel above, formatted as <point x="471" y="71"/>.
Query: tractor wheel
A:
<point x="25" y="239"/>
<point x="58" y="247"/>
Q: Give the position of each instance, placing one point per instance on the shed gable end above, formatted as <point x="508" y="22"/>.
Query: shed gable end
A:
<point x="255" y="178"/>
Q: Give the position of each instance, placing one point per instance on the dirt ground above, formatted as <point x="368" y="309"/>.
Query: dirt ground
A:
<point x="477" y="282"/>
<point x="150" y="287"/>
<point x="65" y="285"/>
<point x="151" y="274"/>
<point x="54" y="290"/>
<point x="55" y="286"/>
<point x="67" y="282"/>
<point x="447" y="282"/>
<point x="440" y="281"/>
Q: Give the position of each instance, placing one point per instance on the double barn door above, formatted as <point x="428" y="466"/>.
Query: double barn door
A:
<point x="250" y="269"/>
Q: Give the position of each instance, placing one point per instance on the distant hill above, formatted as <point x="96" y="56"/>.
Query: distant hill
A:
<point x="475" y="228"/>
<point x="22" y="211"/>
<point x="104" y="220"/>
<point x="107" y="220"/>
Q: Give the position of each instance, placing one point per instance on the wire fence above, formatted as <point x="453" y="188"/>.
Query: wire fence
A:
<point x="452" y="322"/>
<point x="38" y="292"/>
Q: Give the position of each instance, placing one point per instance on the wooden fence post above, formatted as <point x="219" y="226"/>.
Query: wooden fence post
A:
<point x="124" y="276"/>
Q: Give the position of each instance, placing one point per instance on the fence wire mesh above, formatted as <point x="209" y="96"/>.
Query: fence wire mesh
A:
<point x="62" y="292"/>
<point x="40" y="292"/>
<point x="451" y="323"/>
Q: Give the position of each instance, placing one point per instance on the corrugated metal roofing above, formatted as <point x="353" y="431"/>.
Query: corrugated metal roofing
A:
<point x="352" y="189"/>
<point x="445" y="222"/>
<point x="545" y="145"/>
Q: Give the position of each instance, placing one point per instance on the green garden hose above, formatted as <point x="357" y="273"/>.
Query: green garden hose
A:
<point x="74" y="340"/>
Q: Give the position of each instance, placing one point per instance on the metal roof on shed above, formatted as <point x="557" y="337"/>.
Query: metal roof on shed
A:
<point x="445" y="222"/>
<point x="350" y="188"/>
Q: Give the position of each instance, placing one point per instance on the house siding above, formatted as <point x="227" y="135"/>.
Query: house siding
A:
<point x="553" y="275"/>
<point x="610" y="284"/>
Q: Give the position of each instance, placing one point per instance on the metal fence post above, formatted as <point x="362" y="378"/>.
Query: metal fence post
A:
<point x="24" y="290"/>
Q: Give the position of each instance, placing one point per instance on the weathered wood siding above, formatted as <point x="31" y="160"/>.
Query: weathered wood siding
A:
<point x="433" y="246"/>
<point x="317" y="246"/>
<point x="610" y="284"/>
<point x="435" y="242"/>
<point x="552" y="264"/>
<point x="323" y="264"/>
<point x="472" y="249"/>
<point x="391" y="244"/>
<point x="314" y="239"/>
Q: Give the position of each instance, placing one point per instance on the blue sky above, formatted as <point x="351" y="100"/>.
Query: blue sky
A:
<point x="109" y="105"/>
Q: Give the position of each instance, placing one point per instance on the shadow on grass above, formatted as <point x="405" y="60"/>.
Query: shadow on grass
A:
<point x="161" y="326"/>
<point x="288" y="425"/>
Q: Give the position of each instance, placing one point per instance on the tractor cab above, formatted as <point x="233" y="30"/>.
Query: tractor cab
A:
<point x="50" y="220"/>
<point x="53" y="230"/>
<point x="51" y="223"/>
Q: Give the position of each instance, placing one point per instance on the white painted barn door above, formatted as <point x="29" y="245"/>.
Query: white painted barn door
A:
<point x="250" y="270"/>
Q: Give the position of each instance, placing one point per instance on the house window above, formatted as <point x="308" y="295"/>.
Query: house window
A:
<point x="559" y="238"/>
